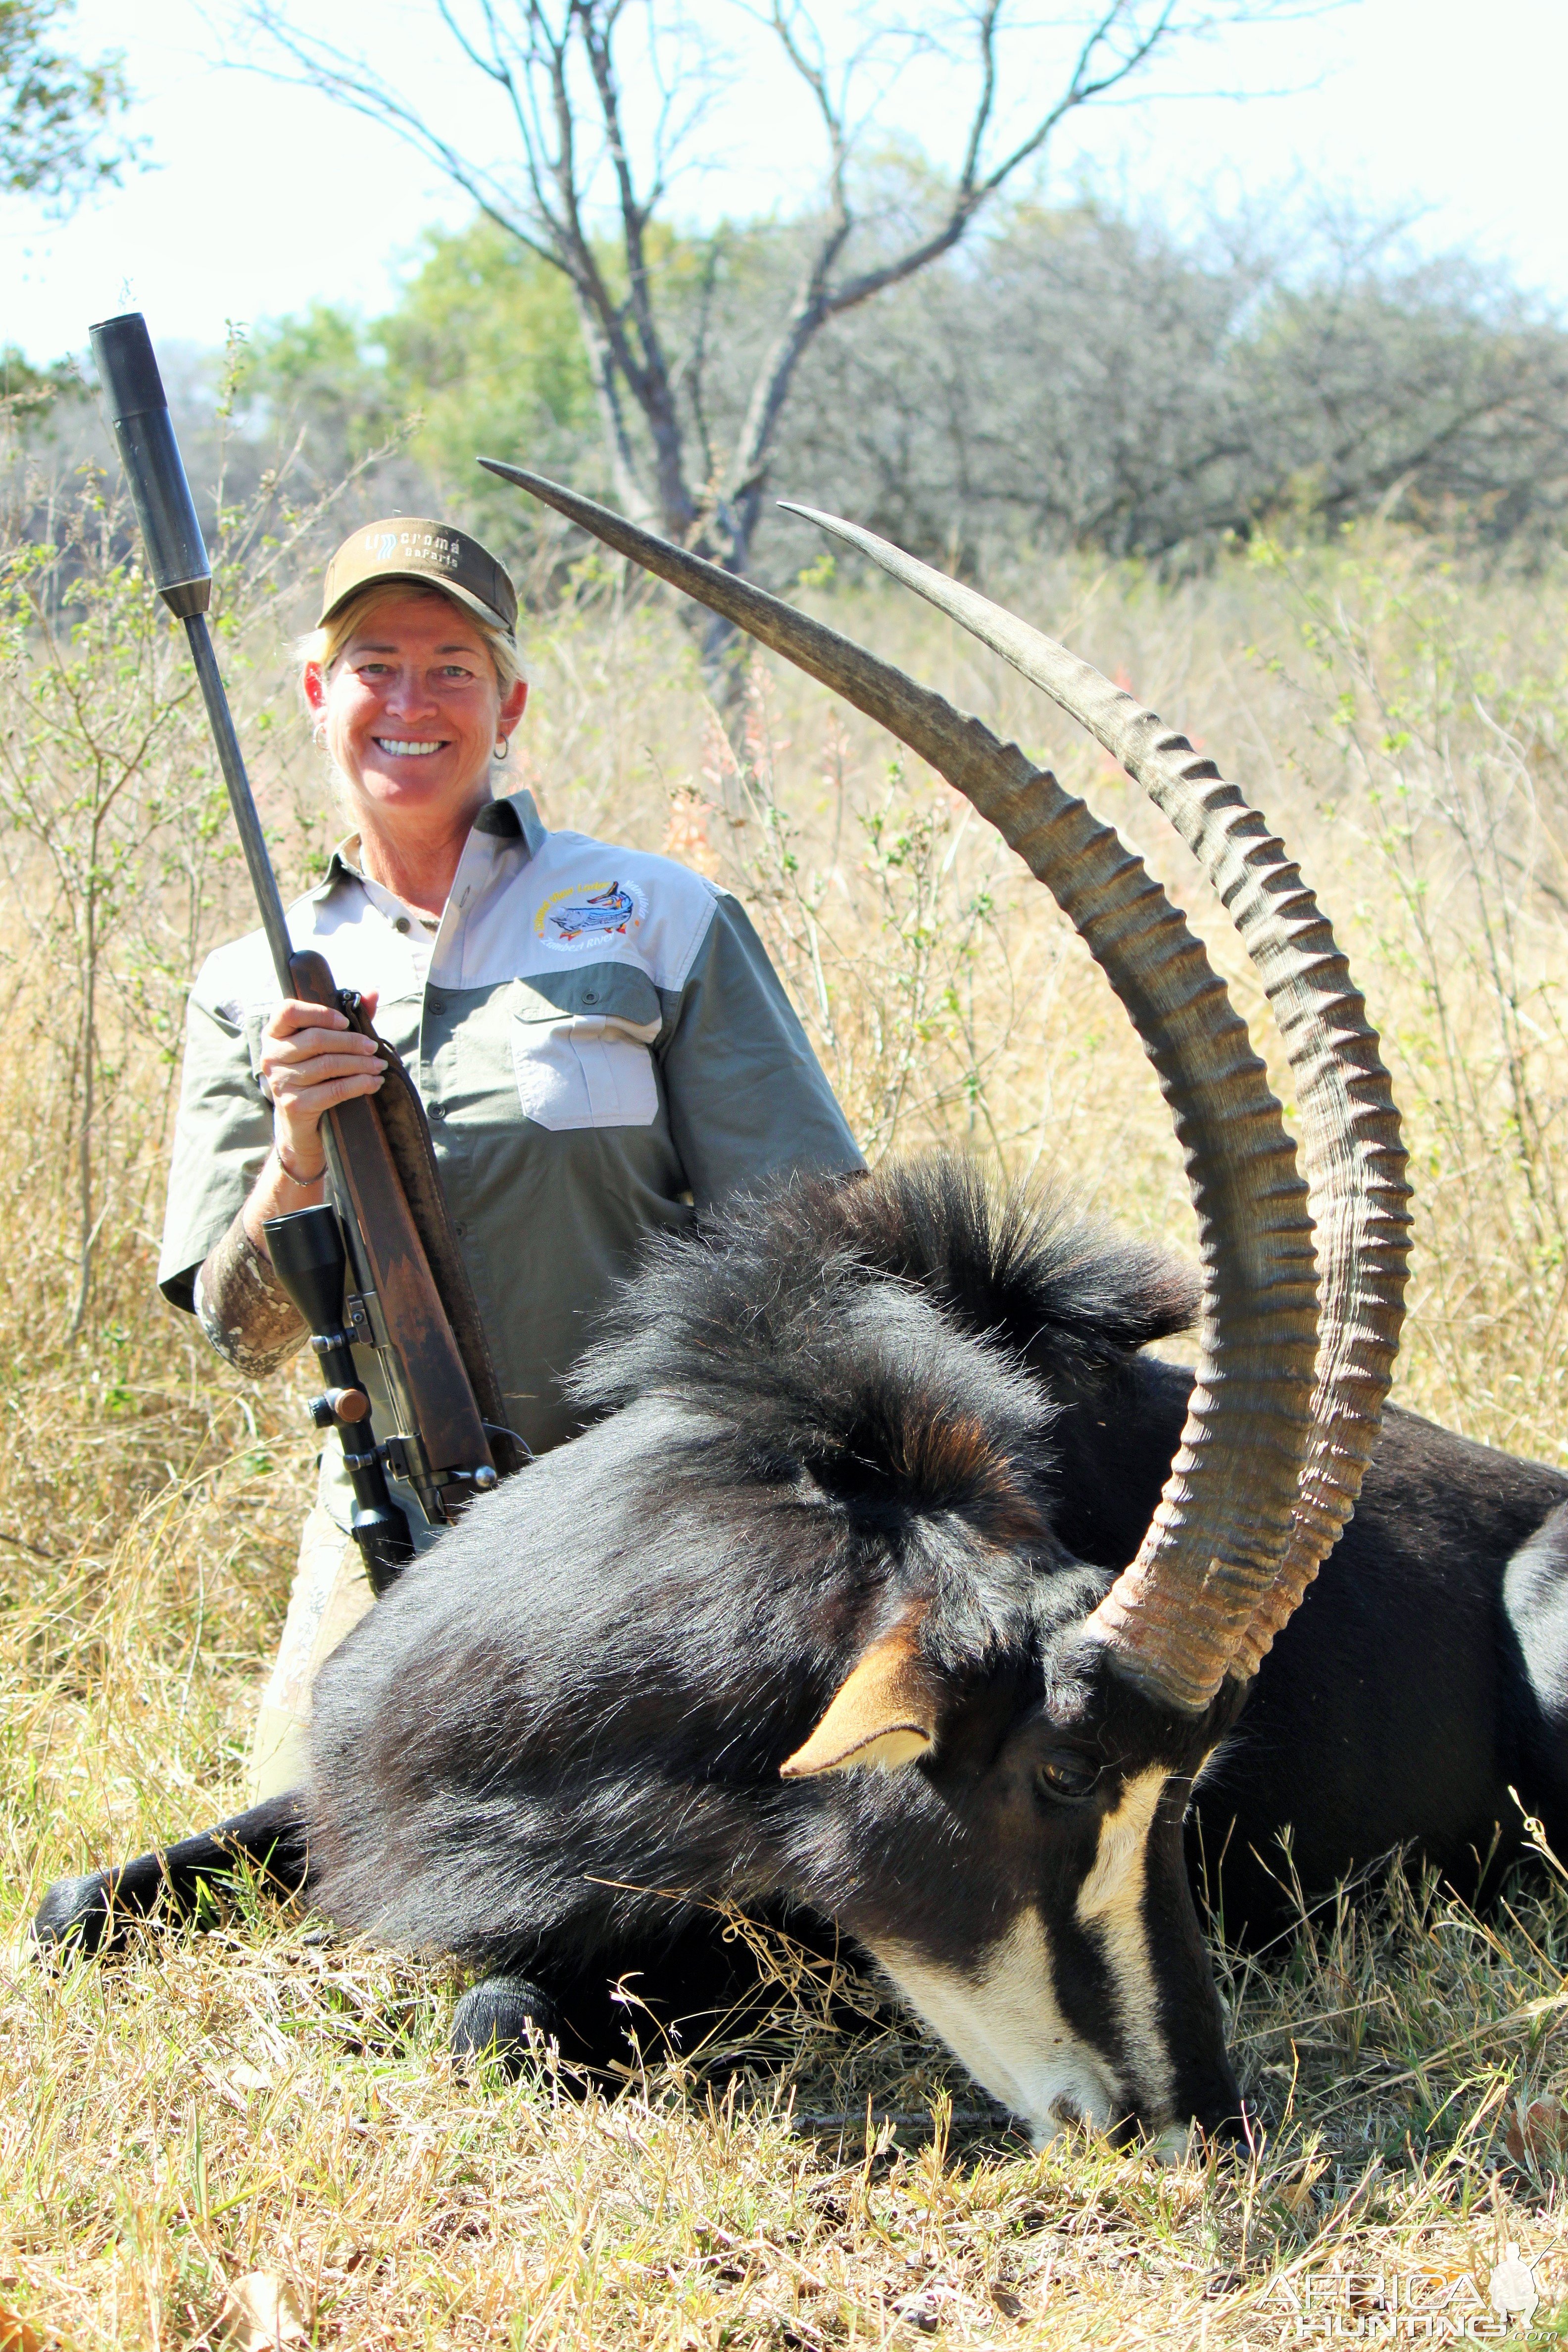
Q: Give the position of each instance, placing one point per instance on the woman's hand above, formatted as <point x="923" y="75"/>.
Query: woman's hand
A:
<point x="311" y="1060"/>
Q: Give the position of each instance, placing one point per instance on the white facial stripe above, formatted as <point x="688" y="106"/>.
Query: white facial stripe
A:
<point x="1110" y="1902"/>
<point x="1008" y="2028"/>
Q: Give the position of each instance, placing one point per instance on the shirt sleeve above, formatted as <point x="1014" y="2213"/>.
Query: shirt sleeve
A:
<point x="222" y="1135"/>
<point x="747" y="1097"/>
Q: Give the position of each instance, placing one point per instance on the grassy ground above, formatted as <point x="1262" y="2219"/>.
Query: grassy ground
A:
<point x="259" y="2102"/>
<point x="262" y="2102"/>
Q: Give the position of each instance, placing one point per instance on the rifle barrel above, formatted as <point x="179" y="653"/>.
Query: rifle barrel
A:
<point x="242" y="799"/>
<point x="182" y="574"/>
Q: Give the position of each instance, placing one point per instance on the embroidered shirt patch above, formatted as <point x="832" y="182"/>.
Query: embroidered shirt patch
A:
<point x="585" y="912"/>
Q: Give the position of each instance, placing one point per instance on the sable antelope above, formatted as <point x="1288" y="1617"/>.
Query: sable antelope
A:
<point x="863" y="1589"/>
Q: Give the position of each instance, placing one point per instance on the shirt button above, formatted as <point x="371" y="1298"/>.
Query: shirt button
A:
<point x="401" y="923"/>
<point x="590" y="996"/>
<point x="437" y="1110"/>
<point x="434" y="1004"/>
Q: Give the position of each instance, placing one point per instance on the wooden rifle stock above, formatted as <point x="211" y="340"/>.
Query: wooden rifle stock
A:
<point x="445" y="1432"/>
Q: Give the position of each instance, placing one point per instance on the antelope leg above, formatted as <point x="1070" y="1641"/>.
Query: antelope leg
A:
<point x="92" y="1912"/>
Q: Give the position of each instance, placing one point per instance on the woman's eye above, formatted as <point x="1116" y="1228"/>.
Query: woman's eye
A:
<point x="1068" y="1776"/>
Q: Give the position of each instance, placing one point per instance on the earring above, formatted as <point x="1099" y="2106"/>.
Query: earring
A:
<point x="503" y="745"/>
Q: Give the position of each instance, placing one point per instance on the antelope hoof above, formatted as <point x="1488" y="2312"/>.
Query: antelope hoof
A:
<point x="77" y="1913"/>
<point x="504" y="2021"/>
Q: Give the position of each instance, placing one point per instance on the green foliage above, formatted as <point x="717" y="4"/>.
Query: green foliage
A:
<point x="482" y="354"/>
<point x="24" y="386"/>
<point x="1074" y="377"/>
<point x="485" y="343"/>
<point x="56" y="109"/>
<point x="322" y="365"/>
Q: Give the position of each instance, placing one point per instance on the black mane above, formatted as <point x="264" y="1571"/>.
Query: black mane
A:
<point x="1014" y="1266"/>
<point x="907" y="1339"/>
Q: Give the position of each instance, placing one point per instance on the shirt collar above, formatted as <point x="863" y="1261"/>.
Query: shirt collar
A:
<point x="514" y="818"/>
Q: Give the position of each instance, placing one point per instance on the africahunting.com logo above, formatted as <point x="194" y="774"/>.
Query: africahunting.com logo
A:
<point x="1404" y="2307"/>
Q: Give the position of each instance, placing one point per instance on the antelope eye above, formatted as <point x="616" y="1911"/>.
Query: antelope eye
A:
<point x="1067" y="1776"/>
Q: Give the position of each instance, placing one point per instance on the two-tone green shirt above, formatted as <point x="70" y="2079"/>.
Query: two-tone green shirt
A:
<point x="602" y="1049"/>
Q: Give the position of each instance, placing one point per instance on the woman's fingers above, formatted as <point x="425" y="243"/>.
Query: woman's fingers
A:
<point x="301" y="1043"/>
<point x="312" y="1060"/>
<point x="304" y="1105"/>
<point x="303" y="1069"/>
<point x="295" y="1013"/>
<point x="315" y="1069"/>
<point x="297" y="1113"/>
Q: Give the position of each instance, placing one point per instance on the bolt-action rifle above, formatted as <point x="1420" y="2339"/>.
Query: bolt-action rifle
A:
<point x="382" y="1268"/>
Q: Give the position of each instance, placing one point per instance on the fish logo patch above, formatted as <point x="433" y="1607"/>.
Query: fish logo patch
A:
<point x="587" y="912"/>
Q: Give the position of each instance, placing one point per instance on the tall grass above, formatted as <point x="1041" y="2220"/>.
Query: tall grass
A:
<point x="255" y="2101"/>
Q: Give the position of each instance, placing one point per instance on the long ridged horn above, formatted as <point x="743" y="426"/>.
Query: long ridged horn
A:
<point x="1213" y="1546"/>
<point x="1356" y="1161"/>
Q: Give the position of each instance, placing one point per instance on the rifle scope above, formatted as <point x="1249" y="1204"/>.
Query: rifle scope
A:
<point x="310" y="1261"/>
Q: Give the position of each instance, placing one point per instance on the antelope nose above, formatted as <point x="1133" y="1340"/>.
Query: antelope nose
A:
<point x="1226" y="2116"/>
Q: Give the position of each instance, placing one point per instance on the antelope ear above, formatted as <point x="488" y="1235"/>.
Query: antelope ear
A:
<point x="884" y="1711"/>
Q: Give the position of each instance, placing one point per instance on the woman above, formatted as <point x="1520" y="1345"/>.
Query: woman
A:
<point x="600" y="1041"/>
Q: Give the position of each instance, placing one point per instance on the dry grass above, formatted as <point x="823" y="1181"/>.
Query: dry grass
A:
<point x="257" y="2100"/>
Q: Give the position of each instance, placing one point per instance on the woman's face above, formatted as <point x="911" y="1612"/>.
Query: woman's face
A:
<point x="412" y="711"/>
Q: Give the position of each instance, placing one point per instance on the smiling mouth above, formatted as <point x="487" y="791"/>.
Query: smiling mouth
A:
<point x="401" y="751"/>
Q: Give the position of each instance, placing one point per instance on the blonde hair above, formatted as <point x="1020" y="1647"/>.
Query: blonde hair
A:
<point x="326" y="643"/>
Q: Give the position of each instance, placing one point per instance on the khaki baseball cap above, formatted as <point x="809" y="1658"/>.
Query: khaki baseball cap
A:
<point x="433" y="554"/>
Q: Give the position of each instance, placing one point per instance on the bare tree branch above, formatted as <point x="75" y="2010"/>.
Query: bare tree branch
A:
<point x="574" y="194"/>
<point x="1099" y="66"/>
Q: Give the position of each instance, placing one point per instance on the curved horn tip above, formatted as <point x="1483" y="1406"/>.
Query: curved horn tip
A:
<point x="524" y="480"/>
<point x="826" y="521"/>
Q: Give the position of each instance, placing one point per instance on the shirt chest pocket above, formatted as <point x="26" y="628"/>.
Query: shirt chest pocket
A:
<point x="580" y="1051"/>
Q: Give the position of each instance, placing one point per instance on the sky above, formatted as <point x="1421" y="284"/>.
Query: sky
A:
<point x="261" y="199"/>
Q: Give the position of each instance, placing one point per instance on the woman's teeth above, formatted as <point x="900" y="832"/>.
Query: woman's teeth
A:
<point x="404" y="751"/>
